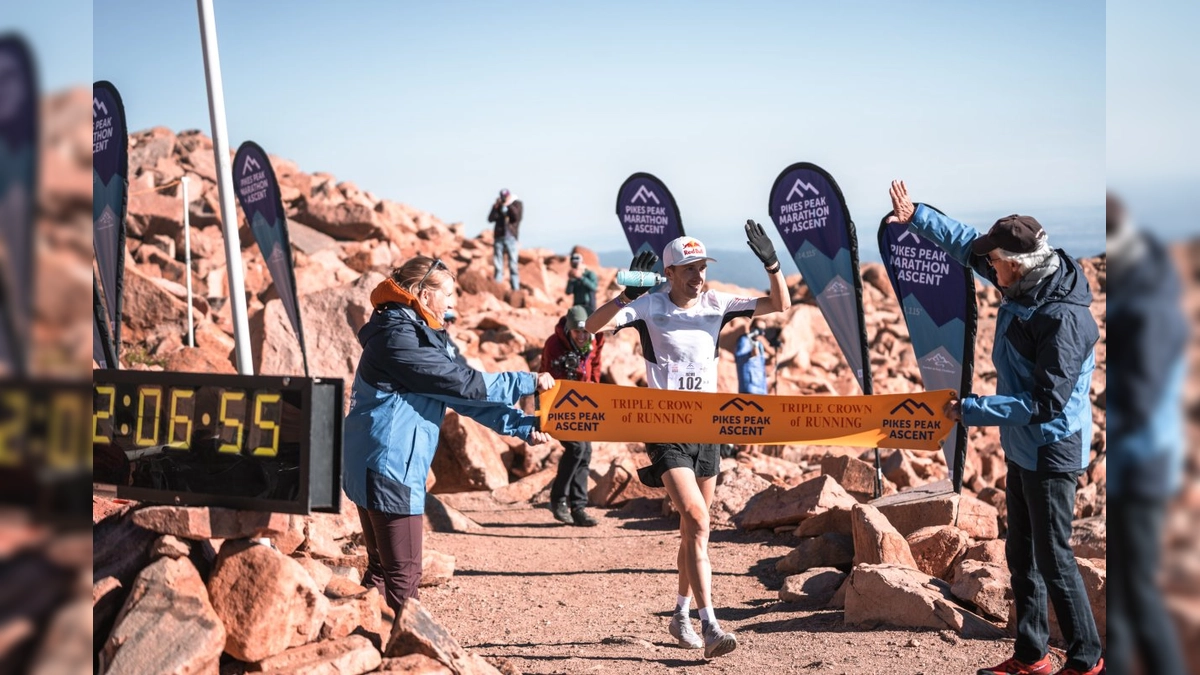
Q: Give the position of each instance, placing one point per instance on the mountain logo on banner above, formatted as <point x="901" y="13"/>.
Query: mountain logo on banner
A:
<point x="838" y="288"/>
<point x="741" y="404"/>
<point x="645" y="195"/>
<point x="575" y="398"/>
<point x="106" y="220"/>
<point x="908" y="233"/>
<point x="277" y="256"/>
<point x="940" y="362"/>
<point x="250" y="164"/>
<point x="911" y="407"/>
<point x="98" y="108"/>
<point x="798" y="189"/>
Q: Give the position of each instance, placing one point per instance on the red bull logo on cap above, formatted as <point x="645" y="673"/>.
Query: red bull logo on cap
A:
<point x="692" y="247"/>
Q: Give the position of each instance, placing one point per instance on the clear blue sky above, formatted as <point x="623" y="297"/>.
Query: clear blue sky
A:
<point x="985" y="108"/>
<point x="1153" y="95"/>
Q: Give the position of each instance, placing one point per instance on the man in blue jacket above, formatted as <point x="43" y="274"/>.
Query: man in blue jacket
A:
<point x="1044" y="358"/>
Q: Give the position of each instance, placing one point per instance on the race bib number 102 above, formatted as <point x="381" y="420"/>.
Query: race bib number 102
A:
<point x="687" y="376"/>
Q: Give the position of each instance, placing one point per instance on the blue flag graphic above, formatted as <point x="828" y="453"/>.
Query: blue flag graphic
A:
<point x="110" y="187"/>
<point x="807" y="207"/>
<point x="18" y="196"/>
<point x="937" y="296"/>
<point x="648" y="214"/>
<point x="258" y="193"/>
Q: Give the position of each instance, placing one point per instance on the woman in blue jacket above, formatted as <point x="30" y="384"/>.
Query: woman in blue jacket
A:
<point x="409" y="373"/>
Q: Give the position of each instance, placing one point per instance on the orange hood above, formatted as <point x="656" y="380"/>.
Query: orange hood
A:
<point x="389" y="291"/>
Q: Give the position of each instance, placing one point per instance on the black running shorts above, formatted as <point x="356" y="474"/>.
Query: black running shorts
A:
<point x="704" y="459"/>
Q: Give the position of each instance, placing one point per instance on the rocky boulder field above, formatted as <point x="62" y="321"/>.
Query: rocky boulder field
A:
<point x="810" y="570"/>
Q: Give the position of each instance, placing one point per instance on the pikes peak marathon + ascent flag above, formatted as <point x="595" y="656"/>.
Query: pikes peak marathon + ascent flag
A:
<point x="110" y="187"/>
<point x="258" y="192"/>
<point x="937" y="296"/>
<point x="582" y="411"/>
<point x="19" y="101"/>
<point x="648" y="215"/>
<point x="807" y="207"/>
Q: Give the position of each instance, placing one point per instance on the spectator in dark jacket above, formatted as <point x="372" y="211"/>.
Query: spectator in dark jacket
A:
<point x="582" y="283"/>
<point x="506" y="213"/>
<point x="1044" y="358"/>
<point x="1146" y="371"/>
<point x="409" y="373"/>
<point x="572" y="353"/>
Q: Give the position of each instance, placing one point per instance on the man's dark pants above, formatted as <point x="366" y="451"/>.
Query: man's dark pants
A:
<point x="1137" y="617"/>
<point x="572" y="479"/>
<point x="1041" y="506"/>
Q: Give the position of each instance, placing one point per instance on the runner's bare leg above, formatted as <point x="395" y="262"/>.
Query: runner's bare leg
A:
<point x="692" y="499"/>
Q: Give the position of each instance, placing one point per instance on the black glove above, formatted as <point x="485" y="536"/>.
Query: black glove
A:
<point x="761" y="244"/>
<point x="642" y="262"/>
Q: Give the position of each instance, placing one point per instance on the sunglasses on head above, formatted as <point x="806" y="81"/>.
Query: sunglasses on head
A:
<point x="437" y="262"/>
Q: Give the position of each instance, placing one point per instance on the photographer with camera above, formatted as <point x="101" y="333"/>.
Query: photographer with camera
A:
<point x="572" y="353"/>
<point x="582" y="282"/>
<point x="506" y="213"/>
<point x="751" y="358"/>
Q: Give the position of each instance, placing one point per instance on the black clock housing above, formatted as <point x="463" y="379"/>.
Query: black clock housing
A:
<point x="268" y="443"/>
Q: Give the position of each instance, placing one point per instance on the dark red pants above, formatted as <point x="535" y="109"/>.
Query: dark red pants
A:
<point x="393" y="554"/>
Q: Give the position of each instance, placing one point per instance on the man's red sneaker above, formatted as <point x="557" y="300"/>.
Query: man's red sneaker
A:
<point x="1043" y="666"/>
<point x="1097" y="669"/>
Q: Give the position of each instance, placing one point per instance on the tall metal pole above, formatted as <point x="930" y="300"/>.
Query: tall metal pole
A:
<point x="187" y="260"/>
<point x="233" y="246"/>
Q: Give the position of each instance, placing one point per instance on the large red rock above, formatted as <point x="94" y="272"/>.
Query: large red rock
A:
<point x="813" y="588"/>
<point x="167" y="624"/>
<point x="977" y="518"/>
<point x="987" y="586"/>
<point x="148" y="309"/>
<point x="855" y="475"/>
<point x="899" y="597"/>
<point x="468" y="457"/>
<point x="827" y="550"/>
<point x="205" y="522"/>
<point x="348" y="614"/>
<point x="775" y="506"/>
<point x="417" y="632"/>
<point x="937" y="548"/>
<point x="835" y="520"/>
<point x="436" y="568"/>
<point x="347" y="220"/>
<point x="333" y="348"/>
<point x="267" y="601"/>
<point x="929" y="505"/>
<point x="735" y="487"/>
<point x="351" y="655"/>
<point x="876" y="541"/>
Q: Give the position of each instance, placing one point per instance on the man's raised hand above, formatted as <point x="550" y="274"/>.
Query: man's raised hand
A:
<point x="902" y="205"/>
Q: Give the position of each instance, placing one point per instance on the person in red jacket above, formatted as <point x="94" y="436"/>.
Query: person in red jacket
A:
<point x="572" y="353"/>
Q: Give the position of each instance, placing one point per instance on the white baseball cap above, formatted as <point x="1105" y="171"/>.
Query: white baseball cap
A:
<point x="684" y="251"/>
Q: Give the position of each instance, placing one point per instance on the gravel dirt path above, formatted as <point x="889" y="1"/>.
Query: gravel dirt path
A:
<point x="556" y="599"/>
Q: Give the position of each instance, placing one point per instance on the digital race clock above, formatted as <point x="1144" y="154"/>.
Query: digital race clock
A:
<point x="250" y="442"/>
